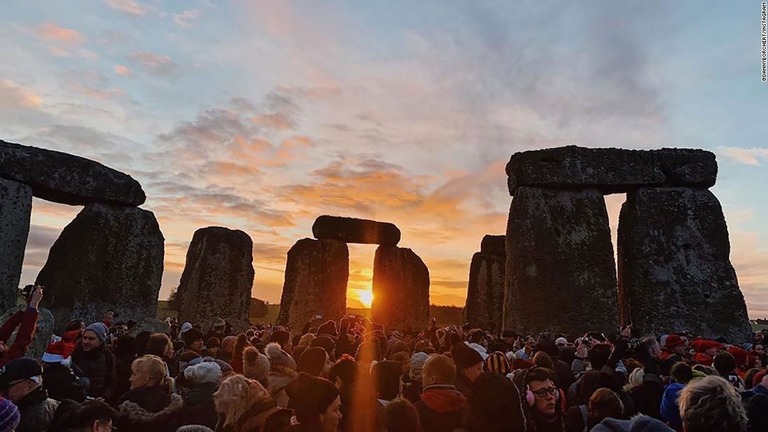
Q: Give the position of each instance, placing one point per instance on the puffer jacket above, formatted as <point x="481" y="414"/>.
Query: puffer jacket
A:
<point x="98" y="366"/>
<point x="62" y="383"/>
<point x="149" y="409"/>
<point x="36" y="410"/>
<point x="199" y="408"/>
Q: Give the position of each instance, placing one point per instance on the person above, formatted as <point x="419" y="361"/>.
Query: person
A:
<point x="541" y="400"/>
<point x="243" y="405"/>
<point x="282" y="372"/>
<point x="124" y="351"/>
<point x="495" y="406"/>
<point x="343" y="375"/>
<point x="725" y="365"/>
<point x="88" y="416"/>
<point x="711" y="404"/>
<point x="237" y="356"/>
<point x="526" y="352"/>
<point x="386" y="379"/>
<point x="21" y="382"/>
<point x="412" y="386"/>
<point x="682" y="374"/>
<point x="217" y="330"/>
<point x="256" y="366"/>
<point x="9" y="415"/>
<point x="401" y="416"/>
<point x="149" y="404"/>
<point x="603" y="403"/>
<point x="441" y="408"/>
<point x="26" y="321"/>
<point x="318" y="405"/>
<point x="96" y="362"/>
<point x="469" y="366"/>
<point x="59" y="379"/>
<point x="197" y="387"/>
<point x="193" y="341"/>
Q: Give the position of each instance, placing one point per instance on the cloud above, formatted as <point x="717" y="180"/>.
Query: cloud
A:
<point x="186" y="18"/>
<point x="123" y="70"/>
<point x="53" y="32"/>
<point x="14" y="96"/>
<point x="748" y="156"/>
<point x="129" y="7"/>
<point x="155" y="64"/>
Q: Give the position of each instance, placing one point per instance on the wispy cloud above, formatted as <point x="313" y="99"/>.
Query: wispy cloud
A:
<point x="186" y="18"/>
<point x="155" y="64"/>
<point x="14" y="96"/>
<point x="123" y="70"/>
<point x="55" y="33"/>
<point x="747" y="156"/>
<point x="129" y="7"/>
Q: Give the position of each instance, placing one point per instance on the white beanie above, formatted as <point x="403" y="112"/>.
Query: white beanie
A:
<point x="185" y="327"/>
<point x="206" y="372"/>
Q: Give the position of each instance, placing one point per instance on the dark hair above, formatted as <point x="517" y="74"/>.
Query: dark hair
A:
<point x="344" y="369"/>
<point x="495" y="405"/>
<point x="212" y="342"/>
<point x="682" y="373"/>
<point x="158" y="344"/>
<point x="242" y="342"/>
<point x="401" y="416"/>
<point x="313" y="398"/>
<point x="142" y="338"/>
<point x="386" y="377"/>
<point x="125" y="347"/>
<point x="598" y="355"/>
<point x="537" y="374"/>
<point x="75" y="415"/>
<point x="724" y="363"/>
<point x="76" y="324"/>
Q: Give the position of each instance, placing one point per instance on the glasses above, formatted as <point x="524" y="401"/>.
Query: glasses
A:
<point x="542" y="393"/>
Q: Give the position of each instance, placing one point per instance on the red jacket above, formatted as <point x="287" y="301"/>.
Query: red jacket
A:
<point x="26" y="320"/>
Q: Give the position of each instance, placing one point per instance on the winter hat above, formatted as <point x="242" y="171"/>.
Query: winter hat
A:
<point x="313" y="395"/>
<point x="480" y="349"/>
<point x="219" y="324"/>
<point x="328" y="328"/>
<point x="185" y="327"/>
<point x="225" y="367"/>
<point x="189" y="358"/>
<point x="9" y="415"/>
<point x="758" y="378"/>
<point x="739" y="354"/>
<point x="58" y="350"/>
<point x="194" y="428"/>
<point x="280" y="336"/>
<point x="19" y="369"/>
<point x="277" y="357"/>
<point x="497" y="362"/>
<point x="397" y="335"/>
<point x="673" y="341"/>
<point x="561" y="341"/>
<point x="325" y="343"/>
<point x="518" y="364"/>
<point x="417" y="365"/>
<point x="702" y="345"/>
<point x="99" y="329"/>
<point x="201" y="373"/>
<point x="191" y="336"/>
<point x="312" y="361"/>
<point x="255" y="364"/>
<point x="465" y="356"/>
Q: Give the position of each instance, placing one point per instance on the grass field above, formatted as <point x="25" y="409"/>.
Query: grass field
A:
<point x="445" y="315"/>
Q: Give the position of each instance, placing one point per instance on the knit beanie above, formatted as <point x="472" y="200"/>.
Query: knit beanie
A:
<point x="465" y="356"/>
<point x="191" y="336"/>
<point x="194" y="428"/>
<point x="185" y="327"/>
<point x="328" y="328"/>
<point x="201" y="373"/>
<point x="277" y="357"/>
<point x="417" y="366"/>
<point x="255" y="364"/>
<point x="325" y="343"/>
<point x="312" y="361"/>
<point x="99" y="329"/>
<point x="9" y="415"/>
<point x="497" y="362"/>
<point x="313" y="396"/>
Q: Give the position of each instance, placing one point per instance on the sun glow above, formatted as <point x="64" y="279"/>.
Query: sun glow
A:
<point x="364" y="296"/>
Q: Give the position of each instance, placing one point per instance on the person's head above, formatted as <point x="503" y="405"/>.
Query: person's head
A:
<point x="468" y="361"/>
<point x="212" y="343"/>
<point x="541" y="387"/>
<point x="314" y="361"/>
<point x="652" y="346"/>
<point x="124" y="347"/>
<point x="148" y="371"/>
<point x="675" y="344"/>
<point x="203" y="373"/>
<point x="9" y="415"/>
<point x="497" y="362"/>
<point x="326" y="343"/>
<point x="438" y="370"/>
<point x="235" y="396"/>
<point x="88" y="416"/>
<point x="711" y="404"/>
<point x="760" y="349"/>
<point x="724" y="363"/>
<point x="401" y="416"/>
<point x="159" y="344"/>
<point x="283" y="338"/>
<point x="416" y="366"/>
<point x="93" y="337"/>
<point x="343" y="373"/>
<point x="256" y="365"/>
<point x="604" y="403"/>
<point x="681" y="372"/>
<point x="193" y="339"/>
<point x="228" y="344"/>
<point x="598" y="355"/>
<point x="219" y="325"/>
<point x="542" y="359"/>
<point x="20" y="377"/>
<point x="317" y="402"/>
<point x="495" y="404"/>
<point x="386" y="378"/>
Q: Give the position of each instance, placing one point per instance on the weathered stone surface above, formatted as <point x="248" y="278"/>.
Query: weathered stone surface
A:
<point x="351" y="230"/>
<point x="217" y="278"/>
<point x="43" y="332"/>
<point x="485" y="296"/>
<point x="674" y="268"/>
<point x="611" y="170"/>
<point x="493" y="245"/>
<point x="153" y="325"/>
<point x="15" y="210"/>
<point x="316" y="276"/>
<point x="108" y="257"/>
<point x="67" y="179"/>
<point x="560" y="271"/>
<point x="400" y="289"/>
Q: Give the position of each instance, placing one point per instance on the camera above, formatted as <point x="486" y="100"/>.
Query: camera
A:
<point x="26" y="292"/>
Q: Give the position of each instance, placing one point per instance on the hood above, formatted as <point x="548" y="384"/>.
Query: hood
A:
<point x="443" y="398"/>
<point x="640" y="423"/>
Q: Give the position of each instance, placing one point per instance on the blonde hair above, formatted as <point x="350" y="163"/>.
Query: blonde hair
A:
<point x="153" y="367"/>
<point x="306" y="340"/>
<point x="235" y="395"/>
<point x="711" y="404"/>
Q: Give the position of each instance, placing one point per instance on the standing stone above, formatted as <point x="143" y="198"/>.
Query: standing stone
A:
<point x="66" y="178"/>
<point x="217" y="278"/>
<point x="485" y="295"/>
<point x="316" y="276"/>
<point x="351" y="230"/>
<point x="560" y="272"/>
<point x="108" y="257"/>
<point x="15" y="211"/>
<point x="494" y="245"/>
<point x="674" y="267"/>
<point x="400" y="289"/>
<point x="43" y="331"/>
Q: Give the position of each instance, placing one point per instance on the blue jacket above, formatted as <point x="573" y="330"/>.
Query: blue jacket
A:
<point x="669" y="410"/>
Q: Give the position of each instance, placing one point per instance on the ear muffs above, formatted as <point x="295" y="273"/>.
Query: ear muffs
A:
<point x="531" y="398"/>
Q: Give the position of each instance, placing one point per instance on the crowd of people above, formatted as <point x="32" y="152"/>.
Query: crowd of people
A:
<point x="352" y="375"/>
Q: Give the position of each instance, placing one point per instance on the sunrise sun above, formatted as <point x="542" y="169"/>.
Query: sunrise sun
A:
<point x="365" y="296"/>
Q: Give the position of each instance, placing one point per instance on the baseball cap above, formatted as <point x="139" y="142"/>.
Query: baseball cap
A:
<point x="18" y="370"/>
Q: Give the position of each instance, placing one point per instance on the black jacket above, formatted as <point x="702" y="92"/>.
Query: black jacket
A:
<point x="36" y="411"/>
<point x="99" y="366"/>
<point x="62" y="383"/>
<point x="149" y="409"/>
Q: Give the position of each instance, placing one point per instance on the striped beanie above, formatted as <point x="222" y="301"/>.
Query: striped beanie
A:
<point x="497" y="362"/>
<point x="9" y="415"/>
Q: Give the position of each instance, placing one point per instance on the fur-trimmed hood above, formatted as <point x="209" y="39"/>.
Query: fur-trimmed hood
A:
<point x="133" y="417"/>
